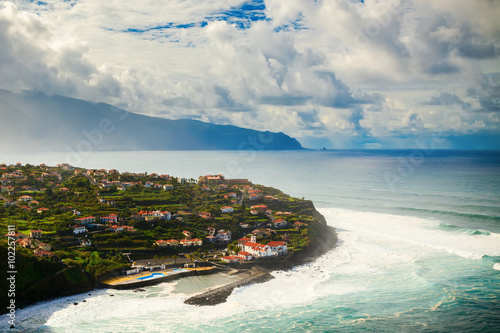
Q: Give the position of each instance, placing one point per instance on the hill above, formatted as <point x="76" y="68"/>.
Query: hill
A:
<point x="33" y="121"/>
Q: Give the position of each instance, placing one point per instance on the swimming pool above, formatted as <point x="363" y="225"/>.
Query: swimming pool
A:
<point x="151" y="276"/>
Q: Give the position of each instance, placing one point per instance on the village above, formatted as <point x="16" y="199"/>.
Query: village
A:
<point x="67" y="215"/>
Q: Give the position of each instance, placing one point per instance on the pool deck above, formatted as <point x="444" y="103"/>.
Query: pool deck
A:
<point x="133" y="281"/>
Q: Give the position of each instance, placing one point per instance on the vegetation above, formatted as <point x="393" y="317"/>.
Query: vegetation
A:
<point x="178" y="209"/>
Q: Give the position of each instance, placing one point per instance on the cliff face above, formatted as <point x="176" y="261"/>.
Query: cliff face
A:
<point x="56" y="123"/>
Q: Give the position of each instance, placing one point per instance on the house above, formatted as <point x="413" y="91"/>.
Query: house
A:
<point x="230" y="259"/>
<point x="254" y="212"/>
<point x="196" y="242"/>
<point x="273" y="248"/>
<point x="224" y="236"/>
<point x="232" y="194"/>
<point x="77" y="229"/>
<point x="162" y="243"/>
<point x="24" y="242"/>
<point x="41" y="210"/>
<point x="245" y="255"/>
<point x="25" y="198"/>
<point x="172" y="242"/>
<point x="242" y="241"/>
<point x="211" y="230"/>
<point x="186" y="242"/>
<point x="253" y="196"/>
<point x="227" y="209"/>
<point x="245" y="225"/>
<point x="111" y="218"/>
<point x="42" y="246"/>
<point x="36" y="234"/>
<point x="116" y="228"/>
<point x="205" y="215"/>
<point x="85" y="220"/>
<point x="211" y="239"/>
<point x="261" y="208"/>
<point x="148" y="184"/>
<point x="299" y="225"/>
<point x="280" y="223"/>
<point x="278" y="247"/>
<point x="187" y="233"/>
<point x="168" y="187"/>
<point x="155" y="215"/>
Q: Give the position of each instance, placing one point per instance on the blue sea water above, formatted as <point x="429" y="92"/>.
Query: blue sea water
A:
<point x="419" y="248"/>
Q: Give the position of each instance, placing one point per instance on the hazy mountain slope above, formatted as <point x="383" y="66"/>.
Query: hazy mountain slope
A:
<point x="34" y="121"/>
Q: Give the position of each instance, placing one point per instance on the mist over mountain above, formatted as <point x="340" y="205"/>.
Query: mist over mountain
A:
<point x="32" y="121"/>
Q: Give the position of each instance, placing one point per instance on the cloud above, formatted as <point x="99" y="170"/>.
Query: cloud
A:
<point x="325" y="69"/>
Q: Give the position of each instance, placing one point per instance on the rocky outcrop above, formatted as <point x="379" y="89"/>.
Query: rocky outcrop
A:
<point x="220" y="295"/>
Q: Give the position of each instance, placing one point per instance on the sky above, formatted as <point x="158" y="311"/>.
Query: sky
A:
<point x="332" y="73"/>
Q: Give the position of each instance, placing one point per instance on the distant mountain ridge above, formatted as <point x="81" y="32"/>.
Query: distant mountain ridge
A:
<point x="35" y="121"/>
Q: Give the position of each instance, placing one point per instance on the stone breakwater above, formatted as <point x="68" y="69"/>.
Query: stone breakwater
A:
<point x="220" y="295"/>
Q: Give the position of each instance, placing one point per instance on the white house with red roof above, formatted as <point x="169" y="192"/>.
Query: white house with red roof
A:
<point x="245" y="255"/>
<point x="230" y="259"/>
<point x="36" y="233"/>
<point x="162" y="243"/>
<point x="111" y="218"/>
<point x="224" y="236"/>
<point x="227" y="209"/>
<point x="279" y="247"/>
<point x="261" y="208"/>
<point x="172" y="242"/>
<point x="273" y="248"/>
<point x="85" y="220"/>
<point x="116" y="228"/>
<point x="25" y="198"/>
<point x="196" y="242"/>
<point x="78" y="229"/>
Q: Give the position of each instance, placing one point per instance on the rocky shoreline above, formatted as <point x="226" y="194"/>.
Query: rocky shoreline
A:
<point x="220" y="295"/>
<point x="258" y="274"/>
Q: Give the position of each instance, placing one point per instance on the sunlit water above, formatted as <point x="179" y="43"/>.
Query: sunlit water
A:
<point x="419" y="249"/>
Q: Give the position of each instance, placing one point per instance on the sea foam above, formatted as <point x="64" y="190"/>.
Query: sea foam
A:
<point x="413" y="230"/>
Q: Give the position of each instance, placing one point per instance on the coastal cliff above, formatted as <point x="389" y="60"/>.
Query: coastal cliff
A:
<point x="71" y="227"/>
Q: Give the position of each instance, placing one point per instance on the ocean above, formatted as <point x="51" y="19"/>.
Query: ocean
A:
<point x="418" y="250"/>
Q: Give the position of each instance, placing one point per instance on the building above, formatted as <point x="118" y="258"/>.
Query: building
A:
<point x="227" y="209"/>
<point x="85" y="220"/>
<point x="162" y="243"/>
<point x="25" y="198"/>
<point x="245" y="255"/>
<point x="224" y="236"/>
<point x="172" y="242"/>
<point x="78" y="229"/>
<point x="280" y="223"/>
<point x="116" y="228"/>
<point x="230" y="259"/>
<point x="36" y="234"/>
<point x="196" y="242"/>
<point x="111" y="218"/>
